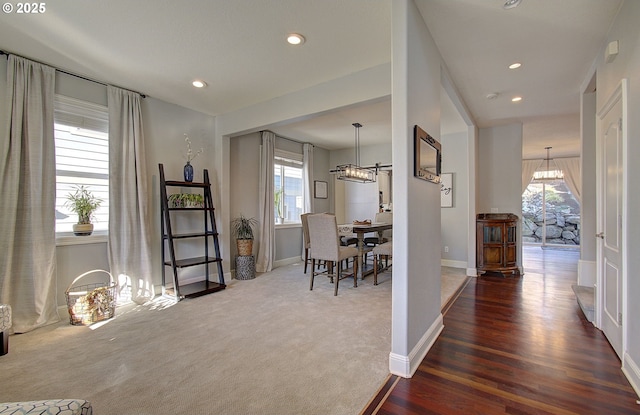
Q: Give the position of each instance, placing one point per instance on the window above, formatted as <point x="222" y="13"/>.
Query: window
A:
<point x="82" y="158"/>
<point x="288" y="187"/>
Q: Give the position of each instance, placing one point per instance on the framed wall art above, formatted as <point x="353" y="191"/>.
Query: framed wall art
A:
<point x="446" y="190"/>
<point x="320" y="189"/>
<point x="427" y="156"/>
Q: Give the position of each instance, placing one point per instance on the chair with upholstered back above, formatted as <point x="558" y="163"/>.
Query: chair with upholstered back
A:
<point x="379" y="251"/>
<point x="305" y="238"/>
<point x="325" y="246"/>
<point x="381" y="217"/>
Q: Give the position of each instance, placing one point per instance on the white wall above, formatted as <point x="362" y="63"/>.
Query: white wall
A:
<point x="416" y="317"/>
<point x="358" y="201"/>
<point x="609" y="75"/>
<point x="321" y="167"/>
<point x="244" y="185"/>
<point x="500" y="172"/>
<point x="587" y="262"/>
<point x="455" y="226"/>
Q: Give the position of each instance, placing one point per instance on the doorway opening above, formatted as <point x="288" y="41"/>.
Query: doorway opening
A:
<point x="550" y="215"/>
<point x="550" y="212"/>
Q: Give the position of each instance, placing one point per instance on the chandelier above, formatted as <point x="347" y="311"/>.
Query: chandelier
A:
<point x="548" y="175"/>
<point x="353" y="172"/>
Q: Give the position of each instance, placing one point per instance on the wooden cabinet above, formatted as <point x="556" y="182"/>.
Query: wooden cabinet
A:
<point x="497" y="243"/>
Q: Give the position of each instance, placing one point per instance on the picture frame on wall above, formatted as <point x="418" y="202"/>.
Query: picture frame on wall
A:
<point x="320" y="189"/>
<point x="427" y="156"/>
<point x="446" y="190"/>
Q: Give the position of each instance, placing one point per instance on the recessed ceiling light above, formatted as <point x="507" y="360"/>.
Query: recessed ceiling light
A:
<point x="515" y="65"/>
<point x="199" y="84"/>
<point x="492" y="95"/>
<point x="295" y="39"/>
<point x="510" y="4"/>
<point x="516" y="99"/>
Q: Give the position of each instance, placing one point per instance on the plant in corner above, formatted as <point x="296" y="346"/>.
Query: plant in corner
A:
<point x="242" y="228"/>
<point x="83" y="203"/>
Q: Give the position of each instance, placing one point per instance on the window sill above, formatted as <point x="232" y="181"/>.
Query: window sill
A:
<point x="95" y="238"/>
<point x="288" y="225"/>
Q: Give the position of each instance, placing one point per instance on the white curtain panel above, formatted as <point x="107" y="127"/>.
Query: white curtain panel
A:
<point x="267" y="241"/>
<point x="27" y="204"/>
<point x="307" y="181"/>
<point x="307" y="172"/>
<point x="528" y="168"/>
<point x="129" y="230"/>
<point x="570" y="167"/>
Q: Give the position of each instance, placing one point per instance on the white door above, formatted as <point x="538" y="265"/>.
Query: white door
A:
<point x="610" y="218"/>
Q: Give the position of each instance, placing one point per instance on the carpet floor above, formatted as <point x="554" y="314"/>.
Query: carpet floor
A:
<point x="261" y="346"/>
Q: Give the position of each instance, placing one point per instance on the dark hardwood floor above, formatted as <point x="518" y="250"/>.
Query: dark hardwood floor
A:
<point x="516" y="345"/>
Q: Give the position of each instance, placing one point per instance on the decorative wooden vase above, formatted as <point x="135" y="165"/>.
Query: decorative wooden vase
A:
<point x="245" y="246"/>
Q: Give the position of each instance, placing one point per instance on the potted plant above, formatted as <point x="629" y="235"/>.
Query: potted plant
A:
<point x="84" y="204"/>
<point x="186" y="200"/>
<point x="242" y="228"/>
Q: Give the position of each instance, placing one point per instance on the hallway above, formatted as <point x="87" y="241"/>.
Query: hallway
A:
<point x="516" y="346"/>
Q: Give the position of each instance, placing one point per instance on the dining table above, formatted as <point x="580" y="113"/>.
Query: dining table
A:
<point x="360" y="230"/>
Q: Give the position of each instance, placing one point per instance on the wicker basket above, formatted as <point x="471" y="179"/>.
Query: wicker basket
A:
<point x="90" y="303"/>
<point x="245" y="246"/>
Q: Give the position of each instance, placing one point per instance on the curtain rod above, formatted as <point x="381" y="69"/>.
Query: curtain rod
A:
<point x="287" y="138"/>
<point x="2" y="52"/>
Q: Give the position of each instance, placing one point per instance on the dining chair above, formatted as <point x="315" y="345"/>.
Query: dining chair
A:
<point x="383" y="250"/>
<point x="305" y="238"/>
<point x="307" y="241"/>
<point x="325" y="246"/>
<point x="381" y="217"/>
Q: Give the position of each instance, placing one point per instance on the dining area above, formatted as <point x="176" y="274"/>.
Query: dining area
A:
<point x="346" y="250"/>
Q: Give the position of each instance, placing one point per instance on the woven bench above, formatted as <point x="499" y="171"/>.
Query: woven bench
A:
<point x="49" y="407"/>
<point x="5" y="325"/>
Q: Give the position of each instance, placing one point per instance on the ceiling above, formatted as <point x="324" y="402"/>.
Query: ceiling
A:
<point x="157" y="47"/>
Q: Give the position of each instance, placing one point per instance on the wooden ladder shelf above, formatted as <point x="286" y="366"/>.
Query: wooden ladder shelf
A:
<point x="207" y="235"/>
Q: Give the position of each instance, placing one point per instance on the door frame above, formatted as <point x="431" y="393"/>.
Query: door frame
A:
<point x="619" y="94"/>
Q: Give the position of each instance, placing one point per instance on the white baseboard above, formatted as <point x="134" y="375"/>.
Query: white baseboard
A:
<point x="632" y="372"/>
<point x="471" y="272"/>
<point x="189" y="280"/>
<point x="453" y="263"/>
<point x="63" y="312"/>
<point x="406" y="366"/>
<point x="287" y="261"/>
<point x="587" y="272"/>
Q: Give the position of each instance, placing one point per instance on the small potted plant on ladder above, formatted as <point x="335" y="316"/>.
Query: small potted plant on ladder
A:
<point x="84" y="204"/>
